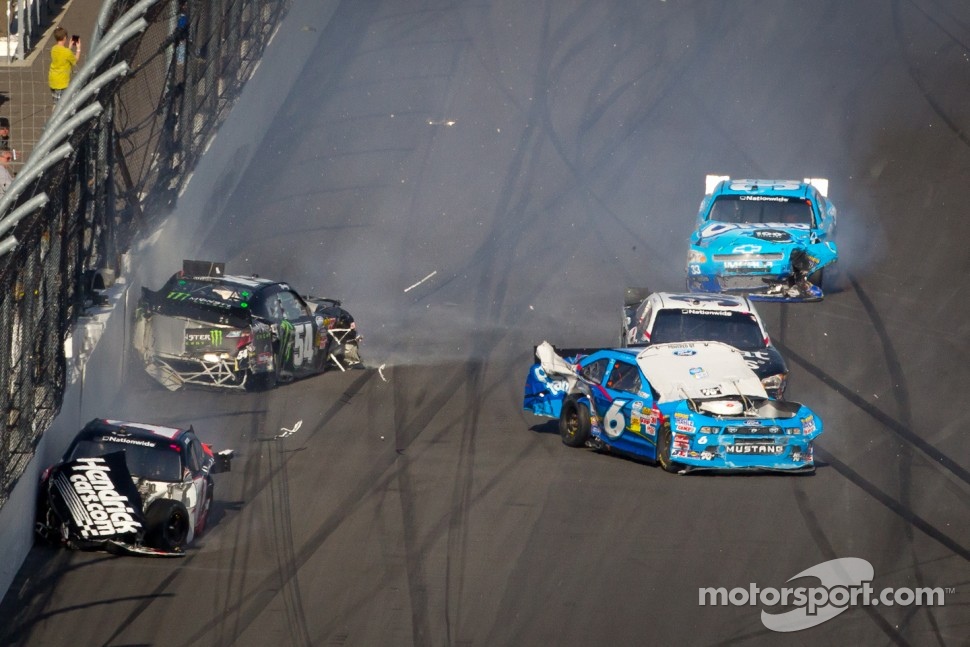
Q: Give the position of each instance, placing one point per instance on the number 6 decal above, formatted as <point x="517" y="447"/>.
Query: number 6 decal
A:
<point x="613" y="421"/>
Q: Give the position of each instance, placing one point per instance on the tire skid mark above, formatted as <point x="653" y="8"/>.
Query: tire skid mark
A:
<point x="281" y="512"/>
<point x="252" y="599"/>
<point x="894" y="505"/>
<point x="902" y="507"/>
<point x="817" y="531"/>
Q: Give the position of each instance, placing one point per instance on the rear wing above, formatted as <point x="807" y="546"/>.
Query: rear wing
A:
<point x="203" y="269"/>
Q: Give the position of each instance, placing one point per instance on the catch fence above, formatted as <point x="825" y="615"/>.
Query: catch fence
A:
<point x="111" y="161"/>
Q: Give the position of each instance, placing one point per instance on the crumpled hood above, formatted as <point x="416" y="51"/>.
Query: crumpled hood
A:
<point x="725" y="237"/>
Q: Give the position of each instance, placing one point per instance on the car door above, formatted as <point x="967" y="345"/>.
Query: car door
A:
<point x="627" y="419"/>
<point x="295" y="331"/>
<point x="195" y="478"/>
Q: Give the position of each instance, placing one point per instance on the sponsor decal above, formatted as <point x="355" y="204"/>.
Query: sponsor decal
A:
<point x="698" y="372"/>
<point x="685" y="352"/>
<point x="178" y="296"/>
<point x="746" y="249"/>
<point x="763" y="198"/>
<point x="772" y="450"/>
<point x="215" y="336"/>
<point x="719" y="313"/>
<point x="636" y="416"/>
<point x="683" y="423"/>
<point x="553" y="386"/>
<point x="808" y="425"/>
<point x="286" y="334"/>
<point x="127" y="441"/>
<point x="100" y="496"/>
<point x="773" y="235"/>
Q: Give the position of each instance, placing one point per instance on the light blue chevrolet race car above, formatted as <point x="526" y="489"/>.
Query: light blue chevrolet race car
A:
<point x="769" y="239"/>
<point x="686" y="406"/>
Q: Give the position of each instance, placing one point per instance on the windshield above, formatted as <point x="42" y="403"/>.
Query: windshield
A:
<point x="761" y="209"/>
<point x="151" y="461"/>
<point x="738" y="329"/>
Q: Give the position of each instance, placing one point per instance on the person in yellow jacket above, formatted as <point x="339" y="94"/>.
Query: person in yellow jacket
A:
<point x="63" y="60"/>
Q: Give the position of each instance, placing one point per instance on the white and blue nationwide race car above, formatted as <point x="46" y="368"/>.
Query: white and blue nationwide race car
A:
<point x="686" y="406"/>
<point x="769" y="239"/>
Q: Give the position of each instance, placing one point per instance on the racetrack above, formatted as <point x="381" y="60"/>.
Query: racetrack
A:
<point x="473" y="178"/>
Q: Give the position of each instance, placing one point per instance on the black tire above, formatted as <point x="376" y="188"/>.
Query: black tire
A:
<point x="663" y="450"/>
<point x="167" y="525"/>
<point x="574" y="423"/>
<point x="817" y="278"/>
<point x="265" y="381"/>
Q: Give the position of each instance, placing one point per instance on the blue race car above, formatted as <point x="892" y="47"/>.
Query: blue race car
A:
<point x="686" y="406"/>
<point x="769" y="239"/>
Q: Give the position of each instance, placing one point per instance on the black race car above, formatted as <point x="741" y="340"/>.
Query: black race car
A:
<point x="243" y="332"/>
<point x="130" y="488"/>
<point x="664" y="317"/>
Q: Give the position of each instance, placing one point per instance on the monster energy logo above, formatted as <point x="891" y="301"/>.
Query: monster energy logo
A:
<point x="286" y="332"/>
<point x="215" y="336"/>
<point x="178" y="296"/>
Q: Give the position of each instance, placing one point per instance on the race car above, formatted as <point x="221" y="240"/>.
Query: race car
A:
<point x="664" y="317"/>
<point x="130" y="488"/>
<point x="688" y="407"/>
<point x="206" y="328"/>
<point x="769" y="239"/>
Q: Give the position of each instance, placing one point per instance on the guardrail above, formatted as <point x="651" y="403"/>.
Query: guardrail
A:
<point x="158" y="78"/>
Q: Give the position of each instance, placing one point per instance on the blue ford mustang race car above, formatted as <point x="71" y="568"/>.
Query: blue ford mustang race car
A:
<point x="770" y="239"/>
<point x="686" y="406"/>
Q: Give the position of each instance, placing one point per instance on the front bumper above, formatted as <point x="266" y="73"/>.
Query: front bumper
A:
<point x="758" y="287"/>
<point x="727" y="454"/>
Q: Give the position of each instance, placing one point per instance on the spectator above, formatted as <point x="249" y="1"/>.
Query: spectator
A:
<point x="4" y="133"/>
<point x="63" y="60"/>
<point x="6" y="156"/>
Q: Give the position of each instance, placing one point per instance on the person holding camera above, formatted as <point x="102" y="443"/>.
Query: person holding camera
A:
<point x="63" y="60"/>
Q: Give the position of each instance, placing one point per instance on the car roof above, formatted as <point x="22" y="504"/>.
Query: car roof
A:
<point x="229" y="280"/>
<point x="678" y="371"/>
<point x="704" y="301"/>
<point x="136" y="430"/>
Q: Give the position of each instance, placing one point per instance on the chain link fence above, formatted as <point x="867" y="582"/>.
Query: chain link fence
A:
<point x="123" y="172"/>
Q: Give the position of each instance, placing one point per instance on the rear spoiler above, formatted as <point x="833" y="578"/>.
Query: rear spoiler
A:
<point x="203" y="269"/>
<point x="571" y="352"/>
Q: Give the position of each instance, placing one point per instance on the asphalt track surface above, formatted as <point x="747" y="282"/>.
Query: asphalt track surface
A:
<point x="535" y="158"/>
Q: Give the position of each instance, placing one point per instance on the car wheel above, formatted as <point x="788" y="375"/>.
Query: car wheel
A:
<point x="817" y="278"/>
<point x="663" y="450"/>
<point x="167" y="524"/>
<point x="574" y="423"/>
